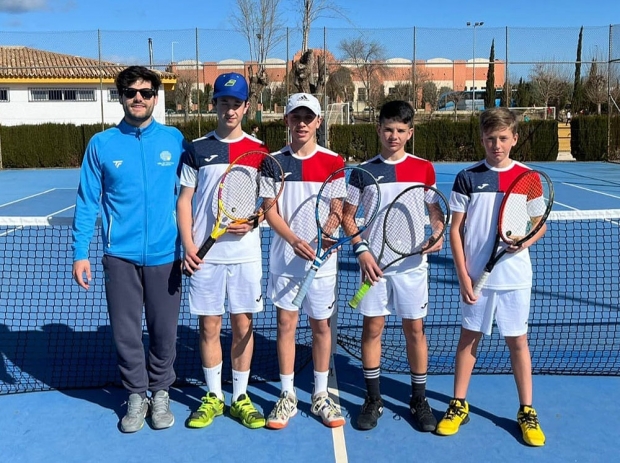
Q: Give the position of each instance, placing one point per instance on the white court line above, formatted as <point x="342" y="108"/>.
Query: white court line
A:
<point x="27" y="197"/>
<point x="566" y="206"/>
<point x="61" y="211"/>
<point x="592" y="191"/>
<point x="340" y="448"/>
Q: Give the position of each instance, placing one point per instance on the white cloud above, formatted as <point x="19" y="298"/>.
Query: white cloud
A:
<point x="21" y="6"/>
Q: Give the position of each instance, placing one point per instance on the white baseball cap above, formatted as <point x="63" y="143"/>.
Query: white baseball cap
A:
<point x="298" y="100"/>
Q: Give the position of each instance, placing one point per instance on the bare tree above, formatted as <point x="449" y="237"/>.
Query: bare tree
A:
<point x="340" y="85"/>
<point x="595" y="87"/>
<point x="183" y="92"/>
<point x="367" y="60"/>
<point x="430" y="94"/>
<point x="309" y="69"/>
<point x="548" y="84"/>
<point x="260" y="23"/>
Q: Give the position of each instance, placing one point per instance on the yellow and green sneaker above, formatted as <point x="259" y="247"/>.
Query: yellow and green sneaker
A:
<point x="456" y="415"/>
<point x="211" y="407"/>
<point x="530" y="427"/>
<point x="244" y="410"/>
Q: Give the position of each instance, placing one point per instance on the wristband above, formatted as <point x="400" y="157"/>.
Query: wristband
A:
<point x="255" y="223"/>
<point x="360" y="248"/>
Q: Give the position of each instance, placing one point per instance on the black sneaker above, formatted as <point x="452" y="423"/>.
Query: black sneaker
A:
<point x="422" y="414"/>
<point x="370" y="413"/>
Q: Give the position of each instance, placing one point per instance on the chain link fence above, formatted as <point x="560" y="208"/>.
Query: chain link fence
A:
<point x="441" y="71"/>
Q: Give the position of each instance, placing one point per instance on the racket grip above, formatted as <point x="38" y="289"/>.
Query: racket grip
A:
<point x="305" y="286"/>
<point x="353" y="303"/>
<point x="480" y="283"/>
<point x="201" y="253"/>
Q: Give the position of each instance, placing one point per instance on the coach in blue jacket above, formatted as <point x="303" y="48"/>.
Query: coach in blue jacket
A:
<point x="130" y="173"/>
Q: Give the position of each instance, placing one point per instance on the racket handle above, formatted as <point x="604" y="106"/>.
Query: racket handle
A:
<point x="201" y="253"/>
<point x="353" y="303"/>
<point x="480" y="283"/>
<point x="305" y="286"/>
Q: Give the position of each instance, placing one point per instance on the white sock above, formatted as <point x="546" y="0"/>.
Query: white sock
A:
<point x="213" y="378"/>
<point x="287" y="382"/>
<point x="240" y="383"/>
<point x="320" y="381"/>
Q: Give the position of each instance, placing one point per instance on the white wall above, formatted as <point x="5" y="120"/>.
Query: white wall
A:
<point x="18" y="110"/>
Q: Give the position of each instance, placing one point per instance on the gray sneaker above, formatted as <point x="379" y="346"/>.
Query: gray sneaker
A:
<point x="161" y="416"/>
<point x="137" y="408"/>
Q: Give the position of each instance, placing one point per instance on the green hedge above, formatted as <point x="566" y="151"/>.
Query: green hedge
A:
<point x="45" y="145"/>
<point x="589" y="138"/>
<point x="448" y="141"/>
<point x="63" y="145"/>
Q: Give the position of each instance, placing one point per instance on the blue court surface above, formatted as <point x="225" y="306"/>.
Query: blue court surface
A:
<point x="50" y="343"/>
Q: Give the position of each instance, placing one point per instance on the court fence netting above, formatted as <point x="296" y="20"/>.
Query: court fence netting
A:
<point x="54" y="335"/>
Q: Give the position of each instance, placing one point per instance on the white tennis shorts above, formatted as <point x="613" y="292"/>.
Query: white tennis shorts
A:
<point x="320" y="300"/>
<point x="405" y="294"/>
<point x="210" y="285"/>
<point x="509" y="308"/>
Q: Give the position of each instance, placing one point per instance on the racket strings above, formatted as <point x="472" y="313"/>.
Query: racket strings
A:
<point x="526" y="203"/>
<point x="240" y="195"/>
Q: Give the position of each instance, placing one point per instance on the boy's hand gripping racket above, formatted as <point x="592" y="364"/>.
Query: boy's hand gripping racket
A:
<point x="329" y="215"/>
<point x="523" y="212"/>
<point x="414" y="221"/>
<point x="249" y="179"/>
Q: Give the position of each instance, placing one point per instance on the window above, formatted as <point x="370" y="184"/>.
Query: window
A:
<point x="361" y="94"/>
<point x="62" y="94"/>
<point x="4" y="94"/>
<point x="113" y="95"/>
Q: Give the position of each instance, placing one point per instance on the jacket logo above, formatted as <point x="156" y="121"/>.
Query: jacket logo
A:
<point x="117" y="164"/>
<point x="166" y="158"/>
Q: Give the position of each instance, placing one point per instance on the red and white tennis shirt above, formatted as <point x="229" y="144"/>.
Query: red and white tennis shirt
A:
<point x="478" y="192"/>
<point x="303" y="178"/>
<point x="202" y="168"/>
<point x="393" y="177"/>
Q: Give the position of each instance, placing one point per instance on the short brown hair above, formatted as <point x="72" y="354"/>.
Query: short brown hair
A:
<point x="497" y="118"/>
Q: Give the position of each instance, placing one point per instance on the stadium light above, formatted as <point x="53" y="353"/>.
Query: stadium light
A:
<point x="473" y="25"/>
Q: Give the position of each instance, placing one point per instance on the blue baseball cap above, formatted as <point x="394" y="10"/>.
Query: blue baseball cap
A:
<point x="231" y="84"/>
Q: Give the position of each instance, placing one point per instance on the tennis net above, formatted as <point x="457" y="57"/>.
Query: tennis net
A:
<point x="55" y="335"/>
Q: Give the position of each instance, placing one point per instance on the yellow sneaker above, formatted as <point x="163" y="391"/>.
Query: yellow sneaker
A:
<point x="210" y="407"/>
<point x="456" y="415"/>
<point x="530" y="427"/>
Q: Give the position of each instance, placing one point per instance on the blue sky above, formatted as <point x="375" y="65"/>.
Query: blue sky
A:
<point x="70" y="26"/>
<point x="69" y="15"/>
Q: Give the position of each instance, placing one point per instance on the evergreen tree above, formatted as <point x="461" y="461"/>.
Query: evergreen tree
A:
<point x="489" y="98"/>
<point x="577" y="100"/>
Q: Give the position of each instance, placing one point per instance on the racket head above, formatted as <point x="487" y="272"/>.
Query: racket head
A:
<point x="525" y="207"/>
<point x="248" y="181"/>
<point x="353" y="185"/>
<point x="414" y="221"/>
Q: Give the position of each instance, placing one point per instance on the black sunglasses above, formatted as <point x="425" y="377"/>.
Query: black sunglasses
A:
<point x="146" y="93"/>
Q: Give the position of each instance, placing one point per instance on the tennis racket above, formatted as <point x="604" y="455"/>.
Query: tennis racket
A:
<point x="248" y="180"/>
<point x="414" y="221"/>
<point x="524" y="209"/>
<point x="341" y="186"/>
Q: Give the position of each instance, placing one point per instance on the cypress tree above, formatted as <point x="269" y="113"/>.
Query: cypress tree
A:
<point x="489" y="98"/>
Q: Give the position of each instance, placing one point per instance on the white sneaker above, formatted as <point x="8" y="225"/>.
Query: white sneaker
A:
<point x="161" y="416"/>
<point x="285" y="408"/>
<point x="324" y="406"/>
<point x="137" y="408"/>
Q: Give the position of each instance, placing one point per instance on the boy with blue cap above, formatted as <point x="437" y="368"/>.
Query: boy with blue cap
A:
<point x="232" y="269"/>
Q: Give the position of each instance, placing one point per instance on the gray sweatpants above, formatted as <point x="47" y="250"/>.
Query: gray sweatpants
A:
<point x="129" y="288"/>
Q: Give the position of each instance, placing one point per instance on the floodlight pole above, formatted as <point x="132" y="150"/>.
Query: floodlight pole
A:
<point x="473" y="63"/>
